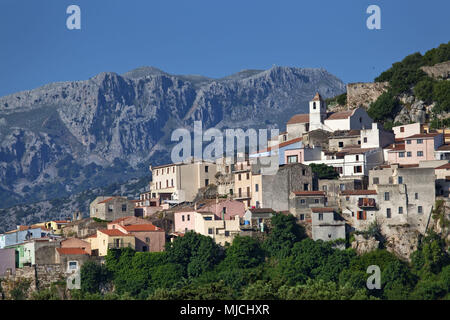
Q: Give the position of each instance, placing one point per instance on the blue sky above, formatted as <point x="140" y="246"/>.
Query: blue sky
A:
<point x="210" y="37"/>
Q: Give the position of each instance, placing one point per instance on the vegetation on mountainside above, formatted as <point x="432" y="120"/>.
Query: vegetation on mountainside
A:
<point x="340" y="100"/>
<point x="406" y="77"/>
<point x="286" y="265"/>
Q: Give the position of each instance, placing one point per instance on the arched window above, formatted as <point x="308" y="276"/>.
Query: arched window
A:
<point x="314" y="105"/>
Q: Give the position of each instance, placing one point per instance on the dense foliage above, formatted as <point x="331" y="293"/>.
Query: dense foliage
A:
<point x="406" y="76"/>
<point x="286" y="265"/>
<point x="323" y="171"/>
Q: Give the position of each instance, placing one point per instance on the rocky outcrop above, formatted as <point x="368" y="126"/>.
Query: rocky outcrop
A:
<point x="438" y="71"/>
<point x="363" y="245"/>
<point x="364" y="93"/>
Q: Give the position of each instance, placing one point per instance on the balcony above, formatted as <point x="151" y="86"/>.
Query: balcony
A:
<point x="119" y="245"/>
<point x="366" y="203"/>
<point x="242" y="195"/>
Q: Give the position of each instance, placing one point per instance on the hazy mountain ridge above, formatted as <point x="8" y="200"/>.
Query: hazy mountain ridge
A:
<point x="67" y="137"/>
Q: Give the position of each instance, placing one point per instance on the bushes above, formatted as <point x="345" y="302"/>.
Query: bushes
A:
<point x="383" y="108"/>
<point x="323" y="171"/>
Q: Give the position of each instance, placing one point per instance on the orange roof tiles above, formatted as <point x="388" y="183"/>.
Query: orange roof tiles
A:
<point x="141" y="227"/>
<point x="113" y="232"/>
<point x="358" y="192"/>
<point x="317" y="97"/>
<point x="66" y="251"/>
<point x="309" y="193"/>
<point x="445" y="166"/>
<point x="299" y="118"/>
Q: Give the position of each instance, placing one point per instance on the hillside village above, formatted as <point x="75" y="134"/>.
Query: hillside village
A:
<point x="340" y="174"/>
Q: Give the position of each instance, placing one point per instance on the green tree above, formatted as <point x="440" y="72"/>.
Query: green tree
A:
<point x="383" y="108"/>
<point x="93" y="277"/>
<point x="245" y="252"/>
<point x="424" y="90"/>
<point x="323" y="171"/>
<point x="284" y="233"/>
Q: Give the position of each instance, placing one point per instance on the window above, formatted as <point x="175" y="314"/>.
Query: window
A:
<point x="248" y="176"/>
<point x="386" y="196"/>
<point x="391" y="180"/>
<point x="341" y="144"/>
<point x="400" y="210"/>
<point x="147" y="239"/>
<point x="256" y="187"/>
<point x="292" y="159"/>
<point x="72" y="265"/>
<point x="239" y="177"/>
<point x="188" y="217"/>
<point x="359" y="142"/>
<point x="305" y="186"/>
<point x="304" y="172"/>
<point x="365" y="139"/>
<point x="210" y="231"/>
<point x="376" y="180"/>
<point x="400" y="180"/>
<point x="357" y="157"/>
<point x="401" y="154"/>
<point x="144" y="248"/>
<point x="361" y="215"/>
<point x="173" y="169"/>
<point x="110" y="208"/>
<point x="320" y="216"/>
<point x="182" y="217"/>
<point x="167" y="183"/>
<point x="171" y="181"/>
<point x="360" y="119"/>
<point x="206" y="168"/>
<point x="124" y="207"/>
<point x="419" y="209"/>
<point x="316" y="200"/>
<point x="314" y="106"/>
<point x="416" y="196"/>
<point x="347" y="198"/>
<point x="342" y="187"/>
<point x="324" y="188"/>
<point x="408" y="141"/>
<point x="419" y="141"/>
<point x="227" y="233"/>
<point x="302" y="201"/>
<point x="420" y="153"/>
<point x="357" y="169"/>
<point x="388" y="212"/>
<point x="402" y="129"/>
<point x="409" y="154"/>
<point x="302" y="216"/>
<point x="206" y="182"/>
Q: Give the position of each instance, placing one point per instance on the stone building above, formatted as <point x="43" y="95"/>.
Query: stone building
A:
<point x="111" y="208"/>
<point x="327" y="225"/>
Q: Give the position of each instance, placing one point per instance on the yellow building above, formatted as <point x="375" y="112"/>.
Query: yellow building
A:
<point x="110" y="239"/>
<point x="56" y="225"/>
<point x="247" y="185"/>
<point x="221" y="231"/>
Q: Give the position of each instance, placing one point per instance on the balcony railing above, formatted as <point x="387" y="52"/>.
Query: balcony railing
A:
<point x="242" y="195"/>
<point x="120" y="245"/>
<point x="366" y="203"/>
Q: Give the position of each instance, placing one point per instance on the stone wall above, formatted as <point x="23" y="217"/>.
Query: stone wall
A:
<point x="364" y="93"/>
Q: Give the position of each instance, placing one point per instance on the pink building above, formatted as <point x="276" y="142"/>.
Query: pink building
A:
<point x="418" y="147"/>
<point x="148" y="236"/>
<point x="408" y="130"/>
<point x="223" y="209"/>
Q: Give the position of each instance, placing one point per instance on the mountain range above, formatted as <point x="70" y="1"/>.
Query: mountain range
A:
<point x="68" y="137"/>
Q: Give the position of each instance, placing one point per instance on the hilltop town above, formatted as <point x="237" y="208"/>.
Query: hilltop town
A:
<point x="342" y="177"/>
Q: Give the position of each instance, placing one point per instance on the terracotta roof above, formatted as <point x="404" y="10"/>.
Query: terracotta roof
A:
<point x="71" y="251"/>
<point x="141" y="227"/>
<point x="113" y="232"/>
<point x="398" y="147"/>
<point x="121" y="219"/>
<point x="445" y="166"/>
<point x="340" y="115"/>
<point x="322" y="209"/>
<point x="444" y="147"/>
<point x="283" y="144"/>
<point x="423" y="135"/>
<point x="106" y="200"/>
<point x="317" y="97"/>
<point x="358" y="192"/>
<point x="299" y="118"/>
<point x="309" y="193"/>
<point x="61" y="221"/>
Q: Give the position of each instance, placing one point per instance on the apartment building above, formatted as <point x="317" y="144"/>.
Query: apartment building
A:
<point x="176" y="183"/>
<point x="111" y="208"/>
<point x="416" y="148"/>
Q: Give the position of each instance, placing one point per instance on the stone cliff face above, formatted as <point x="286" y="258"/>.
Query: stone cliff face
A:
<point x="70" y="136"/>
